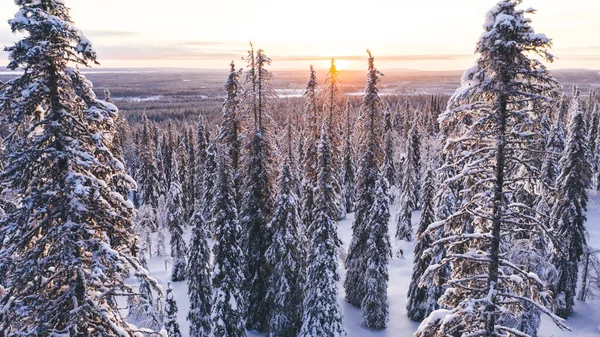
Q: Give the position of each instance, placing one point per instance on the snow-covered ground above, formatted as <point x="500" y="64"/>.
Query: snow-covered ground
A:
<point x="584" y="322"/>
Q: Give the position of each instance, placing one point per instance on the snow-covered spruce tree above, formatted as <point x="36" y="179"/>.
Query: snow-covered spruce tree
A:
<point x="389" y="168"/>
<point x="593" y="147"/>
<point x="322" y="312"/>
<point x="187" y="199"/>
<point x="201" y="157"/>
<point x="371" y="125"/>
<point x="175" y="225"/>
<point x="168" y="152"/>
<point x="208" y="188"/>
<point x="554" y="148"/>
<point x="84" y="88"/>
<point x="199" y="277"/>
<point x="309" y="163"/>
<point x="490" y="113"/>
<point x="230" y="133"/>
<point x="70" y="237"/>
<point x="148" y="183"/>
<point x="257" y="205"/>
<point x="412" y="172"/>
<point x="190" y="180"/>
<point x="415" y="144"/>
<point x="332" y="111"/>
<point x="422" y="300"/>
<point x="228" y="304"/>
<point x="285" y="254"/>
<point x="409" y="195"/>
<point x="146" y="311"/>
<point x="375" y="304"/>
<point x="160" y="164"/>
<point x="568" y="215"/>
<point x="348" y="168"/>
<point x="171" y="325"/>
<point x="163" y="213"/>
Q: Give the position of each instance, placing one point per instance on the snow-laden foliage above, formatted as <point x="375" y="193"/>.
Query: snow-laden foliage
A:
<point x="199" y="277"/>
<point x="389" y="144"/>
<point x="190" y="178"/>
<point x="422" y="299"/>
<point x="257" y="200"/>
<point x="375" y="304"/>
<point x="371" y="125"/>
<point x="554" y="148"/>
<point x="146" y="311"/>
<point x="568" y="215"/>
<point x="201" y="157"/>
<point x="230" y="131"/>
<point x="311" y="137"/>
<point x="70" y="239"/>
<point x="409" y="196"/>
<point x="491" y="131"/>
<point x="332" y="96"/>
<point x="161" y="244"/>
<point x="228" y="303"/>
<point x="348" y="182"/>
<point x="187" y="199"/>
<point x="592" y="137"/>
<point x="208" y="184"/>
<point x="148" y="192"/>
<point x="285" y="254"/>
<point x="171" y="325"/>
<point x="175" y="225"/>
<point x="322" y="313"/>
<point x="168" y="153"/>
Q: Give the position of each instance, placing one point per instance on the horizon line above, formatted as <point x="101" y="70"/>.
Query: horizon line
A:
<point x="4" y="69"/>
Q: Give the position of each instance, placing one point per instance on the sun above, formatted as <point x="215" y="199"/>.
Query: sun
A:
<point x="340" y="64"/>
<point x="343" y="64"/>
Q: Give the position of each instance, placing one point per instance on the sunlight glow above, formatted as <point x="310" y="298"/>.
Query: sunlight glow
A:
<point x="426" y="35"/>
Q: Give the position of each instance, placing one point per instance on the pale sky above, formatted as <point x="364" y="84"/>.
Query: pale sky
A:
<point x="402" y="34"/>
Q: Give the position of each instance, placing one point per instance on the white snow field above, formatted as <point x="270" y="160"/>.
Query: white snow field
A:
<point x="584" y="322"/>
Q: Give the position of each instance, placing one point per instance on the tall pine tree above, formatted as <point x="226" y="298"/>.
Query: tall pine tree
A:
<point x="228" y="303"/>
<point x="375" y="304"/>
<point x="199" y="278"/>
<point x="492" y="129"/>
<point x="171" y="325"/>
<point x="285" y="253"/>
<point x="322" y="312"/>
<point x="148" y="184"/>
<point x="257" y="205"/>
<point x="70" y="240"/>
<point x="208" y="184"/>
<point x="371" y="124"/>
<point x="568" y="215"/>
<point x="333" y="113"/>
<point x="348" y="168"/>
<point x="422" y="300"/>
<point x="175" y="225"/>
<point x="201" y="157"/>
<point x="230" y="132"/>
<point x="311" y="138"/>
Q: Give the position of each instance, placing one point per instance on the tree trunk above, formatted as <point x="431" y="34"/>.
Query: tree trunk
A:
<point x="501" y="106"/>
<point x="582" y="292"/>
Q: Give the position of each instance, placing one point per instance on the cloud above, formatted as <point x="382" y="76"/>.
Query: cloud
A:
<point x="204" y="43"/>
<point x="110" y="33"/>
<point x="211" y="50"/>
<point x="573" y="57"/>
<point x="173" y="52"/>
<point x="424" y="57"/>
